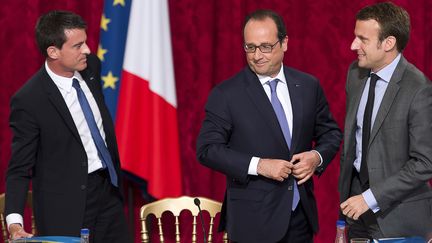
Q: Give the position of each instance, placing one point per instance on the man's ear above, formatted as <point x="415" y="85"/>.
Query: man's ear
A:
<point x="389" y="43"/>
<point x="53" y="52"/>
<point x="285" y="43"/>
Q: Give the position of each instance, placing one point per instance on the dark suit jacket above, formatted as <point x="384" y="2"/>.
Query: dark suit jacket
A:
<point x="399" y="155"/>
<point x="47" y="150"/>
<point x="240" y="123"/>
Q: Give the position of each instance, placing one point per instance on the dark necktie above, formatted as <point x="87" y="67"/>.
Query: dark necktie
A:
<point x="280" y="114"/>
<point x="366" y="130"/>
<point x="103" y="152"/>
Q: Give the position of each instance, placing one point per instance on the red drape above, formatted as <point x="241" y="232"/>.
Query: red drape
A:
<point x="207" y="48"/>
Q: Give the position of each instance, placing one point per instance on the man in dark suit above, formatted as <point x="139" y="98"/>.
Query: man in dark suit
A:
<point x="268" y="129"/>
<point x="387" y="154"/>
<point x="64" y="141"/>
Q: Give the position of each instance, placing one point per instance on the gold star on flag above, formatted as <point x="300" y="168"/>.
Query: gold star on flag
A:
<point x="101" y="52"/>
<point x="104" y="22"/>
<point x="121" y="2"/>
<point x="109" y="81"/>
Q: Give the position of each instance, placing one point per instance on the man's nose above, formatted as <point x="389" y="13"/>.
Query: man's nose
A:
<point x="355" y="44"/>
<point x="85" y="49"/>
<point x="258" y="54"/>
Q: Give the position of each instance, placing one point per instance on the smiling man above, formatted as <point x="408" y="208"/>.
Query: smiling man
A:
<point x="268" y="129"/>
<point x="387" y="154"/>
<point x="64" y="142"/>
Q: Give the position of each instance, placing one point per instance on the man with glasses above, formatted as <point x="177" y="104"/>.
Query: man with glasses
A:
<point x="268" y="129"/>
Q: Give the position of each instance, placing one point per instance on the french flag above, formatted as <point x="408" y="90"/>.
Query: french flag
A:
<point x="146" y="114"/>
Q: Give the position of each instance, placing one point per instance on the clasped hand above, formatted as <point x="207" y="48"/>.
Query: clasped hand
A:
<point x="302" y="166"/>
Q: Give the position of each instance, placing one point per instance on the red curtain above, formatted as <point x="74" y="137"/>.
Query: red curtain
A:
<point x="207" y="49"/>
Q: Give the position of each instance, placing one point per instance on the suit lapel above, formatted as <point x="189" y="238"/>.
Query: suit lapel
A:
<point x="58" y="102"/>
<point x="389" y="96"/>
<point x="294" y="89"/>
<point x="259" y="98"/>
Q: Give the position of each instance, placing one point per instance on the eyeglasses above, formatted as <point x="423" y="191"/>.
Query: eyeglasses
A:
<point x="264" y="48"/>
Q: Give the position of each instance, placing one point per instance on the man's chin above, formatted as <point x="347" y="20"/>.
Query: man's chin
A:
<point x="260" y="71"/>
<point x="82" y="67"/>
<point x="362" y="64"/>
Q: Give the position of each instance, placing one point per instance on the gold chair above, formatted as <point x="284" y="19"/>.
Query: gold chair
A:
<point x="176" y="206"/>
<point x="2" y="216"/>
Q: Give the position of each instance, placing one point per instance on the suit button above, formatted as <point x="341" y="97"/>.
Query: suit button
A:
<point x="84" y="164"/>
<point x="83" y="187"/>
<point x="290" y="188"/>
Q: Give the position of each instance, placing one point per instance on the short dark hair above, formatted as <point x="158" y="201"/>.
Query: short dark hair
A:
<point x="50" y="28"/>
<point x="393" y="20"/>
<point x="262" y="14"/>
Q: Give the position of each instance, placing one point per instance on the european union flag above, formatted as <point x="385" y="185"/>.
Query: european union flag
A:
<point x="114" y="26"/>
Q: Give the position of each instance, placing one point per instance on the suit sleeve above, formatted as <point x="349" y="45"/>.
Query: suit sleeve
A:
<point x="417" y="170"/>
<point x="24" y="151"/>
<point x="213" y="149"/>
<point x="327" y="135"/>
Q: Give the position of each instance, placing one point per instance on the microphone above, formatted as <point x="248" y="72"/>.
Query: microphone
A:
<point x="198" y="202"/>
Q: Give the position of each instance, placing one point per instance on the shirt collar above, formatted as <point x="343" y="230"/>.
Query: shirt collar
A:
<point x="63" y="83"/>
<point x="387" y="72"/>
<point x="264" y="79"/>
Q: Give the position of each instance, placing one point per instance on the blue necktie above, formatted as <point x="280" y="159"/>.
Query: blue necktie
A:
<point x="280" y="114"/>
<point x="103" y="152"/>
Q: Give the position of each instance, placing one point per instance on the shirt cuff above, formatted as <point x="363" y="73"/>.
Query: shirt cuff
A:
<point x="370" y="200"/>
<point x="253" y="166"/>
<point x="14" y="218"/>
<point x="321" y="160"/>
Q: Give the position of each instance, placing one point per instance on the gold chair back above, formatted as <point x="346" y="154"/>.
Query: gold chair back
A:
<point x="3" y="217"/>
<point x="176" y="206"/>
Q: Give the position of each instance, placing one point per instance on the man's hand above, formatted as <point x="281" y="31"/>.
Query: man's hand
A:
<point x="354" y="207"/>
<point x="304" y="165"/>
<point x="276" y="169"/>
<point x="16" y="231"/>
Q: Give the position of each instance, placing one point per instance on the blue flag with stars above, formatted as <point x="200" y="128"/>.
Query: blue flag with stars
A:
<point x="114" y="26"/>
